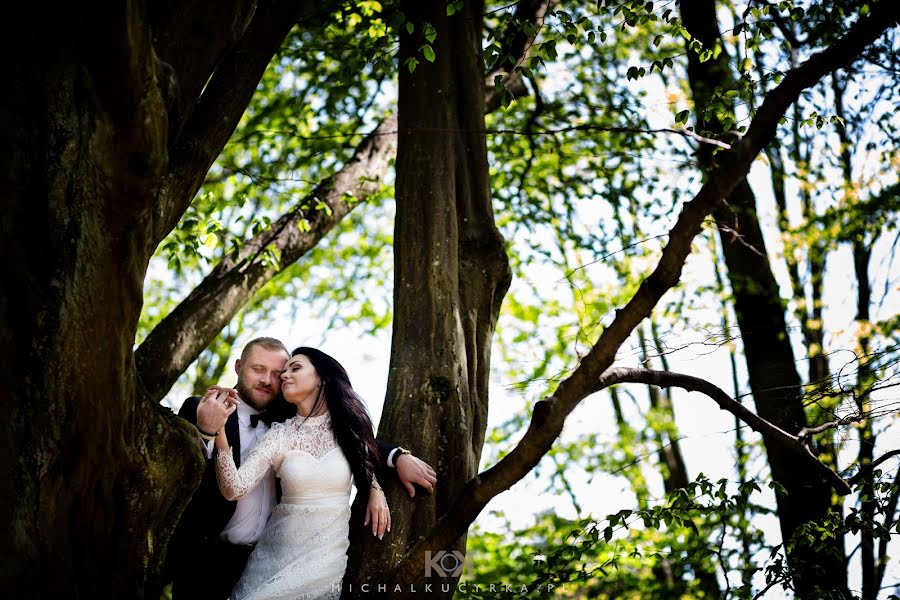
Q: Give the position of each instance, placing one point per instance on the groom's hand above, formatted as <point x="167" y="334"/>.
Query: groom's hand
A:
<point x="412" y="470"/>
<point x="214" y="409"/>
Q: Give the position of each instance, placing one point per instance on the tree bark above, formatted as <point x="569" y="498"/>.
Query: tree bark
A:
<point x="451" y="273"/>
<point x="98" y="117"/>
<point x="776" y="386"/>
<point x="84" y="149"/>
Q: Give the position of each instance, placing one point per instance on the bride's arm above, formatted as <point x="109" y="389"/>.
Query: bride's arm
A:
<point x="234" y="482"/>
<point x="377" y="511"/>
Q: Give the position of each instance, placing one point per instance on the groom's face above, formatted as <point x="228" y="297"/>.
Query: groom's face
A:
<point x="259" y="376"/>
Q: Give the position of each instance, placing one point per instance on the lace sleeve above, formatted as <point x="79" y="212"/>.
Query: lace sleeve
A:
<point x="234" y="482"/>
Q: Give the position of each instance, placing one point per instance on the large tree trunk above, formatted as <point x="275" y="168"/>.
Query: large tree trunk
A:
<point x="451" y="273"/>
<point x="106" y="136"/>
<point x="776" y="386"/>
<point x="98" y="476"/>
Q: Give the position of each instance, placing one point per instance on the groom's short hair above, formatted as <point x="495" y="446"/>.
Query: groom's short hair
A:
<point x="268" y="343"/>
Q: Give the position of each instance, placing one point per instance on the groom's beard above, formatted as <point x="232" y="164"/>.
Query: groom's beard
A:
<point x="258" y="397"/>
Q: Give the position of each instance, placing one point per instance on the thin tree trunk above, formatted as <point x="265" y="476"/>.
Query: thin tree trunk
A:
<point x="862" y="254"/>
<point x="451" y="273"/>
<point x="630" y="441"/>
<point x="740" y="446"/>
<point x="776" y="386"/>
<point x="677" y="477"/>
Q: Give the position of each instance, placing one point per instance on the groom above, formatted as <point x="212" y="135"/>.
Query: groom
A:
<point x="215" y="536"/>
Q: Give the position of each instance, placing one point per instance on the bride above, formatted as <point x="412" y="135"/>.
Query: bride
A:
<point x="316" y="454"/>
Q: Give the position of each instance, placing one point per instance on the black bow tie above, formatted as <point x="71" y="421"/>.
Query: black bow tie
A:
<point x="254" y="420"/>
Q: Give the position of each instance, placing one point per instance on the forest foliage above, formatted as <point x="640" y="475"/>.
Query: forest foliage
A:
<point x="592" y="155"/>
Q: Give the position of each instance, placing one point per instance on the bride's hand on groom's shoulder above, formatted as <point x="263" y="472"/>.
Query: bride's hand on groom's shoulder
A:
<point x="377" y="513"/>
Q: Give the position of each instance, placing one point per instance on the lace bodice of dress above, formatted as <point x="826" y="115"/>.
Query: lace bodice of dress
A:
<point x="310" y="436"/>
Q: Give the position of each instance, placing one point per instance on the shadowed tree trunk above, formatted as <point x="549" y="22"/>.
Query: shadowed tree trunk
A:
<point x="85" y="148"/>
<point x="451" y="273"/>
<point x="106" y="137"/>
<point x="776" y="386"/>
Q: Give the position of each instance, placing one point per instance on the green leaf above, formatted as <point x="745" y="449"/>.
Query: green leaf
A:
<point x="430" y="33"/>
<point x="682" y="116"/>
<point x="427" y="52"/>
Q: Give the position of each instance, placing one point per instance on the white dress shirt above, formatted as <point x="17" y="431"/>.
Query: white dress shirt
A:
<point x="253" y="510"/>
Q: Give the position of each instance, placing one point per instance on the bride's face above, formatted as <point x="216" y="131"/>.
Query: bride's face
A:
<point x="299" y="379"/>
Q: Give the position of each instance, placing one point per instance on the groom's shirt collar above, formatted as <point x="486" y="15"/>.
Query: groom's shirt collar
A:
<point x="244" y="411"/>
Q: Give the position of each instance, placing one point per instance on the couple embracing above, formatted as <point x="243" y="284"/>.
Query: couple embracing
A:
<point x="271" y="517"/>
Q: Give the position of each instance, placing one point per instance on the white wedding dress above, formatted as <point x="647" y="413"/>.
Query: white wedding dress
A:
<point x="303" y="550"/>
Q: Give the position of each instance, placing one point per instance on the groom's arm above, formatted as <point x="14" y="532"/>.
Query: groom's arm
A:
<point x="208" y="415"/>
<point x="188" y="412"/>
<point x="387" y="452"/>
<point x="411" y="470"/>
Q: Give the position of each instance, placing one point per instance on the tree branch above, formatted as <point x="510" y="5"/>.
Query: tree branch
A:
<point x="190" y="37"/>
<point x="219" y="109"/>
<point x="514" y="52"/>
<point x="793" y="443"/>
<point x="549" y="415"/>
<point x="179" y="338"/>
<point x="808" y="432"/>
<point x="866" y="469"/>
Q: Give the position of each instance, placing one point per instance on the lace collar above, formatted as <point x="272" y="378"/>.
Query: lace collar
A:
<point x="318" y="420"/>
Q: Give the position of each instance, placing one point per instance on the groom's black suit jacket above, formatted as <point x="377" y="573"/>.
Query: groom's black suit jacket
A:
<point x="208" y="511"/>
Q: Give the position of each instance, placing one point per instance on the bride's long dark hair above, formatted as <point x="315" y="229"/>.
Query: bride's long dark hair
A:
<point x="349" y="418"/>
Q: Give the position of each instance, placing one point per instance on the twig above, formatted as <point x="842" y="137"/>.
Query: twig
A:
<point x="806" y="432"/>
<point x="725" y="402"/>
<point x="865" y="469"/>
<point x="768" y="587"/>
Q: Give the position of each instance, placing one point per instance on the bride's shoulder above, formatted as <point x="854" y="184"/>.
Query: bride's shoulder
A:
<point x="279" y="427"/>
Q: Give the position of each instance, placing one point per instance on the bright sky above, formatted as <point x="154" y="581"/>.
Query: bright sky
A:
<point x="707" y="433"/>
